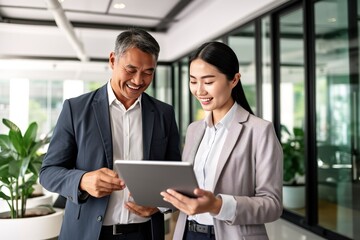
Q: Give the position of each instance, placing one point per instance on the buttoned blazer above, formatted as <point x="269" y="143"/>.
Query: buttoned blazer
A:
<point x="249" y="169"/>
<point x="82" y="142"/>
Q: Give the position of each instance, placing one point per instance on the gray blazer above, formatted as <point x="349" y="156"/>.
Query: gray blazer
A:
<point x="250" y="169"/>
<point x="82" y="142"/>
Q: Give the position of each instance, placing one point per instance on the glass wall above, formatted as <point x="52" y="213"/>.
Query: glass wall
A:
<point x="4" y="101"/>
<point x="243" y="43"/>
<point x="292" y="111"/>
<point x="176" y="90"/>
<point x="184" y="98"/>
<point x="37" y="89"/>
<point x="163" y="90"/>
<point x="267" y="86"/>
<point x="333" y="114"/>
<point x="333" y="207"/>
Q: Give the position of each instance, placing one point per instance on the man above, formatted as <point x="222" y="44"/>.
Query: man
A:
<point x="116" y="121"/>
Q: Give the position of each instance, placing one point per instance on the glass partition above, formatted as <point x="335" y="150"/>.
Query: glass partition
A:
<point x="267" y="95"/>
<point x="292" y="109"/>
<point x="163" y="84"/>
<point x="243" y="44"/>
<point x="333" y="114"/>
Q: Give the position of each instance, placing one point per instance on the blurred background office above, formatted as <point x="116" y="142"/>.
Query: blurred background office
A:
<point x="299" y="61"/>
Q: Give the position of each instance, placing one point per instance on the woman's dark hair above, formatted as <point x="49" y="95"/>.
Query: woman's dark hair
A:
<point x="224" y="59"/>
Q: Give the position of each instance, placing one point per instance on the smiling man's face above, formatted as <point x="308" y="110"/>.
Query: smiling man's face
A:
<point x="132" y="73"/>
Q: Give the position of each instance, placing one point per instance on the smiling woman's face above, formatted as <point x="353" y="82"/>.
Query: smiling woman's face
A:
<point x="132" y="74"/>
<point x="211" y="87"/>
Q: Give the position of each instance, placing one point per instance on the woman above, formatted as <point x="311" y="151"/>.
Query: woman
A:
<point x="237" y="157"/>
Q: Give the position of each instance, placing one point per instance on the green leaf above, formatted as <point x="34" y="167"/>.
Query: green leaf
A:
<point x="20" y="162"/>
<point x="14" y="168"/>
<point x="17" y="141"/>
<point x="12" y="126"/>
<point x="4" y="142"/>
<point x="30" y="135"/>
<point x="24" y="165"/>
<point x="4" y="196"/>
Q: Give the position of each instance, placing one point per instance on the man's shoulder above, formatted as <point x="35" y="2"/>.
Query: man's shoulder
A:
<point x="156" y="102"/>
<point x="89" y="96"/>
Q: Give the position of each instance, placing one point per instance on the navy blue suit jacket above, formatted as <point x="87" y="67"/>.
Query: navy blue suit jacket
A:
<point x="82" y="142"/>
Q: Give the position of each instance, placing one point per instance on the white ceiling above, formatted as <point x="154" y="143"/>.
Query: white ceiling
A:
<point x="28" y="28"/>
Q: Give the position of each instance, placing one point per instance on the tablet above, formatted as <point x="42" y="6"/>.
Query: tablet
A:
<point x="147" y="178"/>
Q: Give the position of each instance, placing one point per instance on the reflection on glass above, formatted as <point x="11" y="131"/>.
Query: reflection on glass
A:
<point x="45" y="102"/>
<point x="185" y="98"/>
<point x="243" y="44"/>
<point x="333" y="115"/>
<point x="267" y="96"/>
<point x="176" y="91"/>
<point x="163" y="84"/>
<point x="4" y="103"/>
<point x="292" y="108"/>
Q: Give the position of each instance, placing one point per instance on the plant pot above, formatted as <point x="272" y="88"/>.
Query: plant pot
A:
<point x="46" y="199"/>
<point x="294" y="196"/>
<point x="32" y="228"/>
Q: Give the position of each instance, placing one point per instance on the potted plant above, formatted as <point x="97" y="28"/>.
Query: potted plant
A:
<point x="20" y="162"/>
<point x="294" y="168"/>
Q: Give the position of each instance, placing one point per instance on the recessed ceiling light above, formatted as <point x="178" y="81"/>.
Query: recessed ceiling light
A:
<point x="331" y="20"/>
<point x="119" y="5"/>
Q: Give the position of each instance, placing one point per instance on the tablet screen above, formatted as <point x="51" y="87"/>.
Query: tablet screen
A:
<point x="147" y="178"/>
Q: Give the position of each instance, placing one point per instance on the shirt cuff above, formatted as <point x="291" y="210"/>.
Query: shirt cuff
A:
<point x="228" y="208"/>
<point x="164" y="210"/>
<point x="82" y="195"/>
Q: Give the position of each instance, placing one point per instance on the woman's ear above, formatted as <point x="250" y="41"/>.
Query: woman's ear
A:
<point x="236" y="79"/>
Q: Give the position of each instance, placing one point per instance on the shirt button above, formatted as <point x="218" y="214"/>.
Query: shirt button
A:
<point x="99" y="218"/>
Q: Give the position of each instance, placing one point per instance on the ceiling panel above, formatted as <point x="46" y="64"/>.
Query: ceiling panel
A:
<point x="25" y="13"/>
<point x="178" y="25"/>
<point x="158" y="9"/>
<point x="24" y="3"/>
<point x="115" y="20"/>
<point x="86" y="5"/>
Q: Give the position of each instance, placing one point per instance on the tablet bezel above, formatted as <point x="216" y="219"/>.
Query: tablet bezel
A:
<point x="147" y="178"/>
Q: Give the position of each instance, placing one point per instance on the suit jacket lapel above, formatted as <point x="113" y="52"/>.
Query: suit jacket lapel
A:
<point x="102" y="115"/>
<point x="232" y="138"/>
<point x="148" y="112"/>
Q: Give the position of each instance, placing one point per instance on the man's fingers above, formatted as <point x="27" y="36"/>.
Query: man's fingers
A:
<point x="109" y="172"/>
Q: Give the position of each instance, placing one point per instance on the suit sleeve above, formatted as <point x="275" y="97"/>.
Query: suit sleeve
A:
<point x="58" y="173"/>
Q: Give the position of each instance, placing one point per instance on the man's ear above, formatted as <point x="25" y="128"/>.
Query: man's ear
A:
<point x="112" y="60"/>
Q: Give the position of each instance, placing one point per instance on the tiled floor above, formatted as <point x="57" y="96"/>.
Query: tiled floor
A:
<point x="284" y="230"/>
<point x="278" y="230"/>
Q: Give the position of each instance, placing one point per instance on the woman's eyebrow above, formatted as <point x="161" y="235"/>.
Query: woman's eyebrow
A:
<point x="204" y="77"/>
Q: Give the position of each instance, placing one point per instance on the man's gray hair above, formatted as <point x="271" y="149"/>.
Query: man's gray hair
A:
<point x="137" y="38"/>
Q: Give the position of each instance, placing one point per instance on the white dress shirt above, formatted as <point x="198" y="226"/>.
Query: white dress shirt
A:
<point x="206" y="160"/>
<point x="127" y="140"/>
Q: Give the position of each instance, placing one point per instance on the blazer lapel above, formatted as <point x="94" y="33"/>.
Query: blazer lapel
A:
<point x="101" y="111"/>
<point x="197" y="136"/>
<point x="148" y="124"/>
<point x="236" y="126"/>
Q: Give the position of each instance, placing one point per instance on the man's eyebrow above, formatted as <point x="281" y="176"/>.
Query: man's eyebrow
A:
<point x="134" y="67"/>
<point x="203" y="77"/>
<point x="130" y="66"/>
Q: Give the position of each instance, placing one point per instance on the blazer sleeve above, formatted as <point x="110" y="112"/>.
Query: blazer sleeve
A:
<point x="266" y="203"/>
